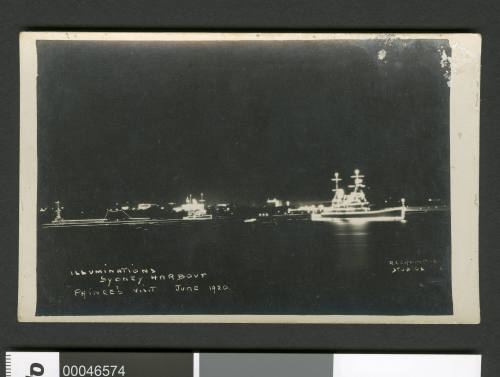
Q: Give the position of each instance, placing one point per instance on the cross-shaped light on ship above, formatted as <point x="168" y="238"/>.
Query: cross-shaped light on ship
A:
<point x="358" y="180"/>
<point x="336" y="180"/>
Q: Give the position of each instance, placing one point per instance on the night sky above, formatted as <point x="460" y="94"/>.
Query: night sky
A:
<point x="240" y="121"/>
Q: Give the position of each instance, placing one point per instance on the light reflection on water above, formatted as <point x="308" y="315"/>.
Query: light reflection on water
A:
<point x="295" y="267"/>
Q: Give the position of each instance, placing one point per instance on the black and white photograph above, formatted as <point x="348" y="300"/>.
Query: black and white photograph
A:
<point x="249" y="177"/>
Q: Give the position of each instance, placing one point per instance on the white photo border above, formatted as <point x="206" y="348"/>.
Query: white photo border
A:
<point x="464" y="177"/>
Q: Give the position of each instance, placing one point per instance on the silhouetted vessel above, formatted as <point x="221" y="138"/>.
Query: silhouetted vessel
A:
<point x="276" y="211"/>
<point x="354" y="206"/>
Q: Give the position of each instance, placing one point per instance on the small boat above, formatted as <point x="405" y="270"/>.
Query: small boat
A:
<point x="112" y="217"/>
<point x="354" y="206"/>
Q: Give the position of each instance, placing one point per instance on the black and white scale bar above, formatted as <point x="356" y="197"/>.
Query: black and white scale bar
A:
<point x="8" y="365"/>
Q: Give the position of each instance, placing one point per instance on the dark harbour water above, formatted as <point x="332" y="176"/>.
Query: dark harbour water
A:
<point x="298" y="267"/>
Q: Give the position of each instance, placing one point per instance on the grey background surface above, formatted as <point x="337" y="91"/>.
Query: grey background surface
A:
<point x="312" y="15"/>
<point x="265" y="365"/>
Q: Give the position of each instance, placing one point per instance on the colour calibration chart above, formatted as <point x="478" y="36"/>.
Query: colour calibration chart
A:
<point x="168" y="364"/>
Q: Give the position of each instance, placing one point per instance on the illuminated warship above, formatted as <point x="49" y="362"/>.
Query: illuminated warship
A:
<point x="354" y="206"/>
<point x="195" y="209"/>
